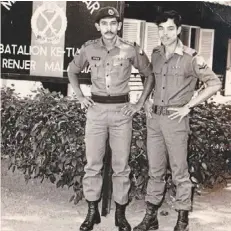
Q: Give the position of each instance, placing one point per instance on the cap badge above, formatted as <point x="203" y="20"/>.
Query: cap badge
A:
<point x="110" y="12"/>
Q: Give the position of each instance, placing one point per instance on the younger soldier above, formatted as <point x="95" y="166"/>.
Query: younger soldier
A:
<point x="109" y="111"/>
<point x="177" y="69"/>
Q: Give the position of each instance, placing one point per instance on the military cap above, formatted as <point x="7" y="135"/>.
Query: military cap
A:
<point x="107" y="11"/>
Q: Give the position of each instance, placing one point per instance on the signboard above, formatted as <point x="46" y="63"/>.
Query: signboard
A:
<point x="39" y="38"/>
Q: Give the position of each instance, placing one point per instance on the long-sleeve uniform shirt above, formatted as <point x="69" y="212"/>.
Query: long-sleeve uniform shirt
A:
<point x="110" y="70"/>
<point x="176" y="77"/>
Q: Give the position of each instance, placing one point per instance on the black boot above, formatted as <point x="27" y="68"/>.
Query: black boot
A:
<point x="182" y="221"/>
<point x="93" y="216"/>
<point x="120" y="219"/>
<point x="150" y="221"/>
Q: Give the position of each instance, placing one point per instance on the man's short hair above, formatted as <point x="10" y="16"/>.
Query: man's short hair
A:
<point x="172" y="14"/>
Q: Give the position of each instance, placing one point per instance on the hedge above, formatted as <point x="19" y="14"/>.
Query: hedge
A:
<point x="44" y="137"/>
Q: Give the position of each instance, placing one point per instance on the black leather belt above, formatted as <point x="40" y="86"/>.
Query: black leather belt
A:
<point x="110" y="99"/>
<point x="161" y="110"/>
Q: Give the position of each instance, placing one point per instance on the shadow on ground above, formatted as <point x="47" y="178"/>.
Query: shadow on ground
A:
<point x="42" y="207"/>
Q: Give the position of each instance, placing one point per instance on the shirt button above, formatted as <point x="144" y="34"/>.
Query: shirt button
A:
<point x="108" y="52"/>
<point x="162" y="101"/>
<point x="163" y="87"/>
<point x="107" y="63"/>
<point x="164" y="74"/>
<point x="108" y="86"/>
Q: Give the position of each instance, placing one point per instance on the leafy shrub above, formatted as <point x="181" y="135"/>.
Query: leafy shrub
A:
<point x="44" y="137"/>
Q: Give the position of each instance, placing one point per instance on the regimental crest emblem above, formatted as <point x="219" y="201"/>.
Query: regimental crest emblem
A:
<point x="49" y="23"/>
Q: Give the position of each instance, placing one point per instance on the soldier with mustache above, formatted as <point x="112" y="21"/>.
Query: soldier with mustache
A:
<point x="109" y="111"/>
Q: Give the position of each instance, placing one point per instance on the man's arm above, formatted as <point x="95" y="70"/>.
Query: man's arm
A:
<point x="148" y="105"/>
<point x="206" y="75"/>
<point x="212" y="82"/>
<point x="203" y="96"/>
<point x="73" y="78"/>
<point x="74" y="68"/>
<point x="149" y="84"/>
<point x="142" y="63"/>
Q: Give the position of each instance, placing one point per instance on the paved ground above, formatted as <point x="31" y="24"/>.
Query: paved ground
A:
<point x="42" y="207"/>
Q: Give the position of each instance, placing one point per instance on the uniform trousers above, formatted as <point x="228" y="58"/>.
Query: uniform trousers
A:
<point x="167" y="140"/>
<point x="105" y="120"/>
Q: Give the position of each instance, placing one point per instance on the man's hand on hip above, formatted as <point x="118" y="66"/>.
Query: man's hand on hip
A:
<point x="130" y="109"/>
<point x="86" y="102"/>
<point x="148" y="108"/>
<point x="179" y="112"/>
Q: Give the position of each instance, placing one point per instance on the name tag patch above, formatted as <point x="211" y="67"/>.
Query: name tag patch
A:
<point x="95" y="58"/>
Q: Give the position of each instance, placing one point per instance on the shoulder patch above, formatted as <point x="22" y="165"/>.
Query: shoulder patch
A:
<point x="201" y="62"/>
<point x="89" y="42"/>
<point x="189" y="51"/>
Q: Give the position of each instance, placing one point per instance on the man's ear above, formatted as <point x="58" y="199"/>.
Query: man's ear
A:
<point x="97" y="26"/>
<point x="179" y="30"/>
<point x="120" y="26"/>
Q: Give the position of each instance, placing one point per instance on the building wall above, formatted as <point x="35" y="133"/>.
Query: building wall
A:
<point x="22" y="87"/>
<point x="203" y="14"/>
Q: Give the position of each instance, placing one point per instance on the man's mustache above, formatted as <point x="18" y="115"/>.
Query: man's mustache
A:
<point x="109" y="32"/>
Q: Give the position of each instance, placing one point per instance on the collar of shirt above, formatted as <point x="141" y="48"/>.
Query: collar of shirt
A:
<point x="117" y="42"/>
<point x="179" y="48"/>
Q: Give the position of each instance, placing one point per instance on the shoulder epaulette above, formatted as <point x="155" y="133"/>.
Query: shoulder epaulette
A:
<point x="129" y="43"/>
<point x="190" y="51"/>
<point x="156" y="49"/>
<point x="89" y="42"/>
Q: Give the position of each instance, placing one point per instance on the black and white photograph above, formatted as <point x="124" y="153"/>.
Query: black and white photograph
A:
<point x="115" y="115"/>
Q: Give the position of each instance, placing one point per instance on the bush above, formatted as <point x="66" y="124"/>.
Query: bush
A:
<point x="44" y="137"/>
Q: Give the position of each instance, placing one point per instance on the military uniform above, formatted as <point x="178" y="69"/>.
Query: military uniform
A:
<point x="110" y="74"/>
<point x="176" y="78"/>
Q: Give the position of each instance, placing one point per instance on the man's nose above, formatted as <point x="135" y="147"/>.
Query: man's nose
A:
<point x="165" y="32"/>
<point x="109" y="27"/>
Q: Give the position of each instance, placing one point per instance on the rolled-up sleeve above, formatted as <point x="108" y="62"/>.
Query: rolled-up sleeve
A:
<point x="79" y="62"/>
<point x="203" y="72"/>
<point x="141" y="62"/>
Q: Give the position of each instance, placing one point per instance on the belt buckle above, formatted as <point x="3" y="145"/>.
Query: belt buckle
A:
<point x="164" y="111"/>
<point x="158" y="110"/>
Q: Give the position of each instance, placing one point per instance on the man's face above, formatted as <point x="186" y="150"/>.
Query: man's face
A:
<point x="168" y="32"/>
<point x="108" y="27"/>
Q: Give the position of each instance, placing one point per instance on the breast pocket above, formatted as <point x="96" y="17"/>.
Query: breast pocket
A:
<point x="157" y="69"/>
<point x="120" y="67"/>
<point x="178" y="75"/>
<point x="95" y="69"/>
